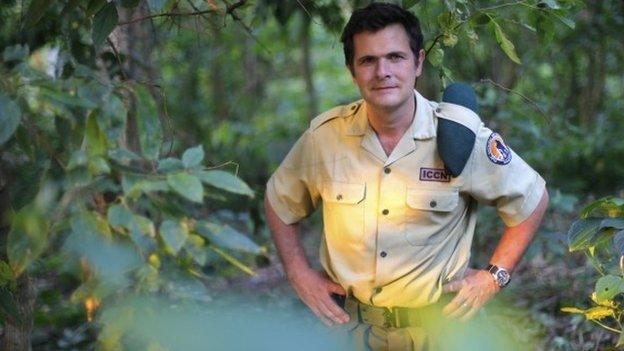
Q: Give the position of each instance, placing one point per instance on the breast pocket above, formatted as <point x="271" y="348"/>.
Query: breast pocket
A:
<point x="343" y="210"/>
<point x="428" y="214"/>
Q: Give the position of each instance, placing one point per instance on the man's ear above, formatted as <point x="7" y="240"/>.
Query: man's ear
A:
<point x="420" y="61"/>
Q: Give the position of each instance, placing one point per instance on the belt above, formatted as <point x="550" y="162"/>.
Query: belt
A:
<point x="390" y="317"/>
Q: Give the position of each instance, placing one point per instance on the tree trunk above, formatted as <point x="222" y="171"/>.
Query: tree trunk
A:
<point x="17" y="333"/>
<point x="306" y="66"/>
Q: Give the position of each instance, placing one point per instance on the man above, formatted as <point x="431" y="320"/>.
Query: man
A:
<point x="399" y="178"/>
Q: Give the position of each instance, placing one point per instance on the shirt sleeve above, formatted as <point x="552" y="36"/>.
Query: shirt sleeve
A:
<point x="499" y="177"/>
<point x="291" y="190"/>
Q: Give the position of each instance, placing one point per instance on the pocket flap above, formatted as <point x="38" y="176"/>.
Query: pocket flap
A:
<point x="346" y="193"/>
<point x="442" y="200"/>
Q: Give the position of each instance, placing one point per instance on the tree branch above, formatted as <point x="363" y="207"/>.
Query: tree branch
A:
<point x="525" y="98"/>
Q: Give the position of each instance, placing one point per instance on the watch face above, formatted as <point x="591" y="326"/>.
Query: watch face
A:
<point x="502" y="277"/>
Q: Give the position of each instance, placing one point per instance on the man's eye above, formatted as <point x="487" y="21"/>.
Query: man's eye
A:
<point x="395" y="57"/>
<point x="367" y="60"/>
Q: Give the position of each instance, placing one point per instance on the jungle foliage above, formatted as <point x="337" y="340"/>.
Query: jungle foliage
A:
<point x="128" y="127"/>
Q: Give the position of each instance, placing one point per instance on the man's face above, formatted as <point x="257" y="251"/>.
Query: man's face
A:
<point x="384" y="67"/>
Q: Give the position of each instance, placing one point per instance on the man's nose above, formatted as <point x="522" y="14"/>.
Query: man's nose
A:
<point x="382" y="70"/>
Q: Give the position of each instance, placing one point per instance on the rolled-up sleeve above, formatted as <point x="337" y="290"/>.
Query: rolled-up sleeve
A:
<point x="499" y="177"/>
<point x="291" y="190"/>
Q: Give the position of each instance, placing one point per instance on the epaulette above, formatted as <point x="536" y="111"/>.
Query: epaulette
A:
<point x="458" y="123"/>
<point x="338" y="111"/>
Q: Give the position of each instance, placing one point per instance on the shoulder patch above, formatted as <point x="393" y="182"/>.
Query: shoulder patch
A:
<point x="497" y="151"/>
<point x="338" y="111"/>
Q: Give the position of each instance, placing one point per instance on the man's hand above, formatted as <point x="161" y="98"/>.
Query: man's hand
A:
<point x="475" y="289"/>
<point x="315" y="291"/>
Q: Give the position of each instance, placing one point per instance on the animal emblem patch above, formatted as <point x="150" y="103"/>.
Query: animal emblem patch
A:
<point x="435" y="175"/>
<point x="497" y="151"/>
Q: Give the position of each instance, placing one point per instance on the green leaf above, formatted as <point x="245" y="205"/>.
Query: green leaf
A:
<point x="186" y="185"/>
<point x="607" y="287"/>
<point x="15" y="53"/>
<point x="94" y="6"/>
<point x="436" y="56"/>
<point x="407" y="4"/>
<point x="120" y="216"/>
<point x="196" y="248"/>
<point x="28" y="238"/>
<point x="98" y="166"/>
<point x="193" y="156"/>
<point x="6" y="273"/>
<point x="506" y="45"/>
<point x="35" y="12"/>
<point x="605" y="207"/>
<point x="77" y="159"/>
<point x="170" y="164"/>
<point x="134" y="186"/>
<point x="174" y="234"/>
<point x="104" y="22"/>
<point x="10" y="116"/>
<point x="224" y="180"/>
<point x="227" y="237"/>
<point x="618" y="242"/>
<point x="583" y="232"/>
<point x="150" y="132"/>
<point x="232" y="260"/>
<point x="94" y="139"/>
<point x="123" y="156"/>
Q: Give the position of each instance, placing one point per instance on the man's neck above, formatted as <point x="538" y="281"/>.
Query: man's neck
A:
<point x="391" y="123"/>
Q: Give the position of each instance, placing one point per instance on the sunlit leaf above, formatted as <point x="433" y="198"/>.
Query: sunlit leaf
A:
<point x="607" y="287"/>
<point x="104" y="22"/>
<point x="10" y="116"/>
<point x="224" y="180"/>
<point x="506" y="45"/>
<point x="572" y="310"/>
<point x="193" y="156"/>
<point x="598" y="313"/>
<point x="94" y="139"/>
<point x="186" y="185"/>
<point x="174" y="234"/>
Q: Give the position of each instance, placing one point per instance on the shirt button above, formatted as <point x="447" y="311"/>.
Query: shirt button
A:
<point x="378" y="290"/>
<point x="339" y="197"/>
<point x="438" y="110"/>
<point x="385" y="212"/>
<point x="387" y="170"/>
<point x="433" y="204"/>
<point x="383" y="254"/>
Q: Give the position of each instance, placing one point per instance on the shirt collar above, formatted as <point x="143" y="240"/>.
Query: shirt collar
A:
<point x="423" y="125"/>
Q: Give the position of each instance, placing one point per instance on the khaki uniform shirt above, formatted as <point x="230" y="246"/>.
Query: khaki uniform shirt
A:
<point x="397" y="227"/>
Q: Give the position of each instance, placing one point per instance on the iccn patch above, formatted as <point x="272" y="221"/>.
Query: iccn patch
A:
<point x="497" y="151"/>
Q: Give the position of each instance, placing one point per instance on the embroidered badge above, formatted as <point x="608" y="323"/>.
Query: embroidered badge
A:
<point x="497" y="151"/>
<point x="435" y="175"/>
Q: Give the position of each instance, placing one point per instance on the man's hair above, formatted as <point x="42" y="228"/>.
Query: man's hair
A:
<point x="375" y="17"/>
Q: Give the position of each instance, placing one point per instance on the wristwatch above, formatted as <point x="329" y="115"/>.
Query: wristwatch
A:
<point x="501" y="275"/>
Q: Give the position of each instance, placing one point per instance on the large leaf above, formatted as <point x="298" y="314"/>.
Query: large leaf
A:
<point x="599" y="312"/>
<point x="193" y="156"/>
<point x="196" y="248"/>
<point x="10" y="116"/>
<point x="35" y="12"/>
<point x="607" y="287"/>
<point x="605" y="207"/>
<point x="583" y="232"/>
<point x="150" y="132"/>
<point x="28" y="238"/>
<point x="505" y="44"/>
<point x="186" y="185"/>
<point x="224" y="180"/>
<point x="227" y="237"/>
<point x="120" y="216"/>
<point x="104" y="22"/>
<point x="94" y="139"/>
<point x="174" y="234"/>
<point x="134" y="186"/>
<point x="170" y="164"/>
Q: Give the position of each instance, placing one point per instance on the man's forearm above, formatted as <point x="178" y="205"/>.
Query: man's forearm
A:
<point x="516" y="240"/>
<point x="287" y="241"/>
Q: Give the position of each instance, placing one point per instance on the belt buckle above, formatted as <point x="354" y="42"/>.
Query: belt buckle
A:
<point x="390" y="318"/>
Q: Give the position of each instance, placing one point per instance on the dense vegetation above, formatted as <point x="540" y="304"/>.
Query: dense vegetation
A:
<point x="136" y="137"/>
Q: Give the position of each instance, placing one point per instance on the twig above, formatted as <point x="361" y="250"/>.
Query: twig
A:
<point x="166" y="14"/>
<point x="123" y="73"/>
<point x="525" y="98"/>
<point x="307" y="12"/>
